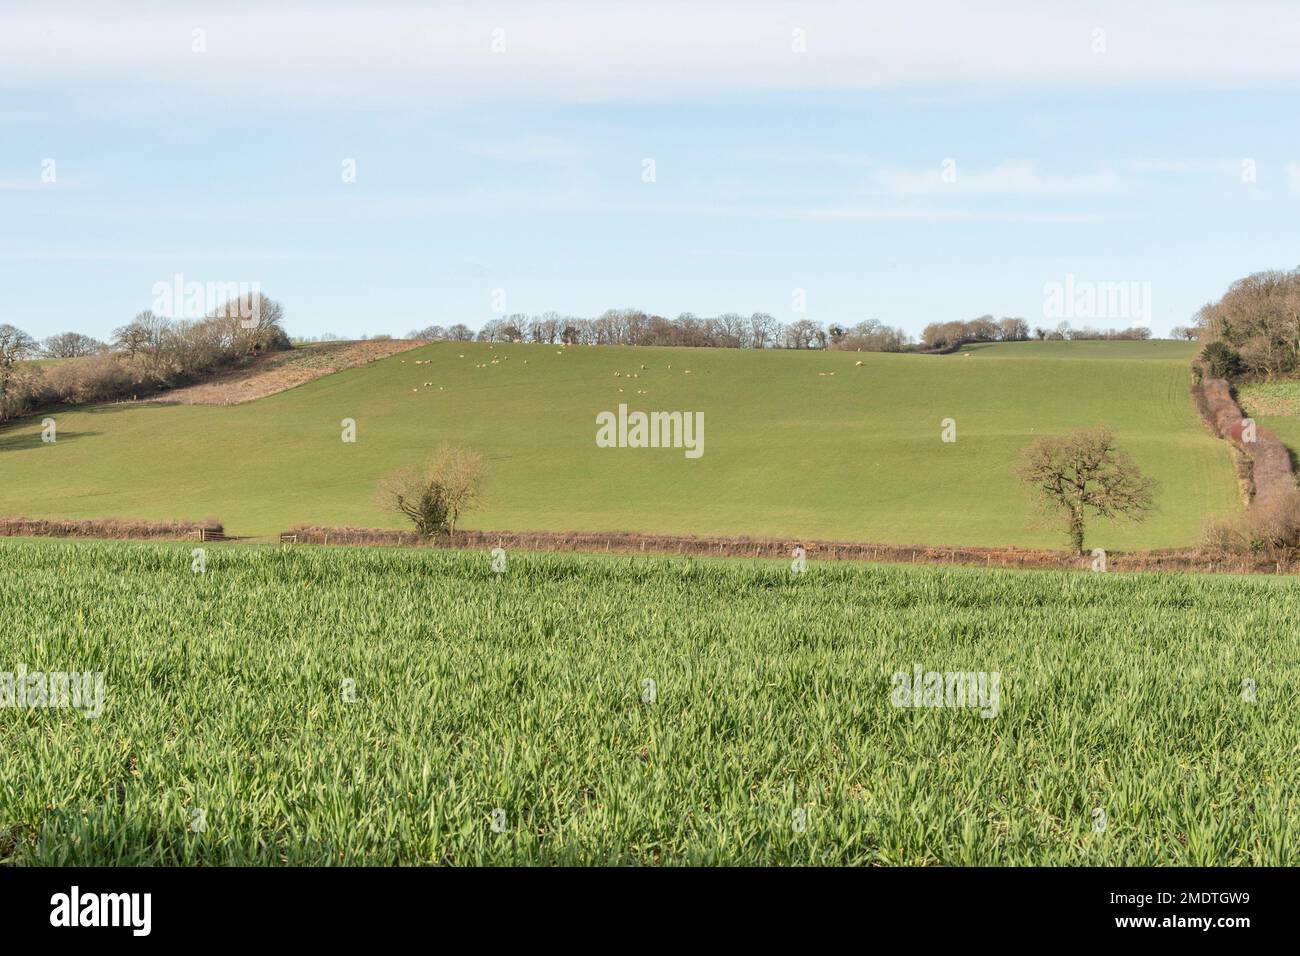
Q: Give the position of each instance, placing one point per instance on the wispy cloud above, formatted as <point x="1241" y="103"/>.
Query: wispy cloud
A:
<point x="132" y="255"/>
<point x="1020" y="178"/>
<point x="1187" y="166"/>
<point x="523" y="149"/>
<point x="910" y="215"/>
<point x="391" y="54"/>
<point x="21" y="185"/>
<point x="804" y="157"/>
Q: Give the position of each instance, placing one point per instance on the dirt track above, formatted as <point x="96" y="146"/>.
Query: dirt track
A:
<point x="280" y="371"/>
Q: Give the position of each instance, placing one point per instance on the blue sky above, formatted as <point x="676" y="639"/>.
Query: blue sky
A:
<point x="521" y="169"/>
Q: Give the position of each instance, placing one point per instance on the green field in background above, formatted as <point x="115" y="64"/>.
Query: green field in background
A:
<point x="797" y="444"/>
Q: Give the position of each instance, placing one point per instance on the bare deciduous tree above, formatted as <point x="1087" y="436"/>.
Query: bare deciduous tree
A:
<point x="70" y="345"/>
<point x="1013" y="330"/>
<point x="1259" y="318"/>
<point x="1084" y="473"/>
<point x="435" y="494"/>
<point x="15" y="345"/>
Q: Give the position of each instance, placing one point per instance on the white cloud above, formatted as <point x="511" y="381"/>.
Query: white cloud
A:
<point x="1210" y="167"/>
<point x="523" y="149"/>
<point x="1292" y="171"/>
<point x="1018" y="178"/>
<point x="396" y="54"/>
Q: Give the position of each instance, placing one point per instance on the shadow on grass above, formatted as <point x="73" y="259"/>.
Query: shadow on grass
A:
<point x="9" y="441"/>
<point x="110" y="408"/>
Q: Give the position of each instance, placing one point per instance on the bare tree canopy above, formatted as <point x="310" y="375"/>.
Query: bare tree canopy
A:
<point x="435" y="494"/>
<point x="15" y="345"/>
<point x="1258" y="322"/>
<point x="70" y="345"/>
<point x="730" y="330"/>
<point x="1083" y="473"/>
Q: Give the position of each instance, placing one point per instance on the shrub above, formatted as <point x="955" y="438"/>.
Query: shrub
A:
<point x="1269" y="529"/>
<point x="434" y="495"/>
<point x="97" y="378"/>
<point x="1222" y="360"/>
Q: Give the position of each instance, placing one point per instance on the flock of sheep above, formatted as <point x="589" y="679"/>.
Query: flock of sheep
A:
<point x="506" y="358"/>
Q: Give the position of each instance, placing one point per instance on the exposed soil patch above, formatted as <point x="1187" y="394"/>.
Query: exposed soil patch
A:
<point x="280" y="371"/>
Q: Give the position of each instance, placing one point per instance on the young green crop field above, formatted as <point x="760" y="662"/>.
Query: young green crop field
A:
<point x="509" y="717"/>
<point x="796" y="444"/>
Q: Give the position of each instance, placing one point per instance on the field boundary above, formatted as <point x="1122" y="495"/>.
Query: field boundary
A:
<point x="14" y="526"/>
<point x="1264" y="465"/>
<point x="619" y="542"/>
<point x="632" y="543"/>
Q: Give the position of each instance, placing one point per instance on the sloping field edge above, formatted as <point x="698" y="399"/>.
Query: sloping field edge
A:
<point x="268" y="375"/>
<point x="615" y="542"/>
<point x="1263" y="465"/>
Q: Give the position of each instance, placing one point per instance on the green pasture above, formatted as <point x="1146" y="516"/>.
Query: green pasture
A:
<point x="837" y="445"/>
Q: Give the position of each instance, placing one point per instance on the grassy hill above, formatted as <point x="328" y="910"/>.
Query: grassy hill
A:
<point x="800" y="444"/>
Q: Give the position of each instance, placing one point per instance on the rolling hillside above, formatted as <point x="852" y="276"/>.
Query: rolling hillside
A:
<point x="796" y="444"/>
